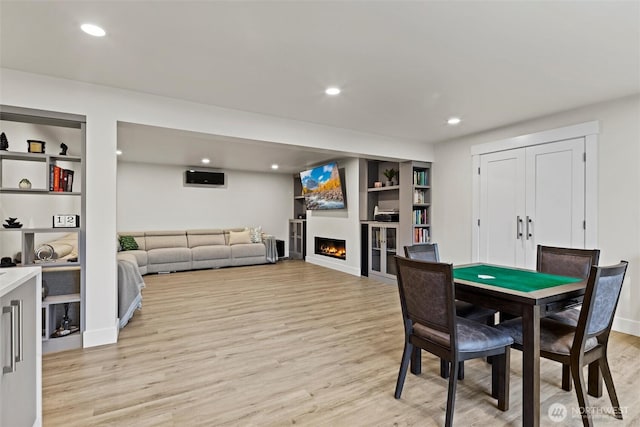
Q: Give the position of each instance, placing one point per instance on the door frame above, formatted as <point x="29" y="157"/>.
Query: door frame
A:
<point x="587" y="130"/>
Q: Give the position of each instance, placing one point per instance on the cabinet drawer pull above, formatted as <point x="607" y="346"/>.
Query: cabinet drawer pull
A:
<point x="19" y="356"/>
<point x="12" y="346"/>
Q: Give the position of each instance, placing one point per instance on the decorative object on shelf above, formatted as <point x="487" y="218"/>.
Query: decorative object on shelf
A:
<point x="35" y="146"/>
<point x="24" y="184"/>
<point x="66" y="221"/>
<point x="64" y="148"/>
<point x="6" y="262"/>
<point x="45" y="289"/>
<point x="377" y="184"/>
<point x="390" y="174"/>
<point x="45" y="253"/>
<point x="65" y="327"/>
<point x="4" y="142"/>
<point x="12" y="223"/>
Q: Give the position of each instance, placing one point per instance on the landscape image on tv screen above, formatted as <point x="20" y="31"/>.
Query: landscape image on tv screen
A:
<point x="322" y="187"/>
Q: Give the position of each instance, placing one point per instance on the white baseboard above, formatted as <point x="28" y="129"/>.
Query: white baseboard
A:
<point x="627" y="326"/>
<point x="96" y="337"/>
<point x="334" y="265"/>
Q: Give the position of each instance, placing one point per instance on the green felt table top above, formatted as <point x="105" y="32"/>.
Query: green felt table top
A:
<point x="510" y="278"/>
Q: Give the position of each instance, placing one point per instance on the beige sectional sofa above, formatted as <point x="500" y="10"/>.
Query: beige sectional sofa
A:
<point x="164" y="251"/>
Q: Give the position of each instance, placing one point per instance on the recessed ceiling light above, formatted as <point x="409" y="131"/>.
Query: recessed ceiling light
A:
<point x="454" y="120"/>
<point x="93" y="30"/>
<point x="119" y="152"/>
<point x="274" y="166"/>
<point x="205" y="160"/>
<point x="332" y="91"/>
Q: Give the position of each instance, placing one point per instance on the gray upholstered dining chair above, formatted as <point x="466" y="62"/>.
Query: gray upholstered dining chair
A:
<point x="585" y="343"/>
<point x="573" y="263"/>
<point x="430" y="323"/>
<point x="429" y="252"/>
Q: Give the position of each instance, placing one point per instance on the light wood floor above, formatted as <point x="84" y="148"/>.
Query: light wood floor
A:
<point x="290" y="343"/>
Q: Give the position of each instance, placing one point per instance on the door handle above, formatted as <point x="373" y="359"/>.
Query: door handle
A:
<point x="529" y="227"/>
<point x="18" y="303"/>
<point x="12" y="346"/>
<point x="518" y="227"/>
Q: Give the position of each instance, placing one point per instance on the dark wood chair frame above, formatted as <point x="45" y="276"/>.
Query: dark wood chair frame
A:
<point x="429" y="252"/>
<point x="597" y="356"/>
<point x="501" y="360"/>
<point x="589" y="257"/>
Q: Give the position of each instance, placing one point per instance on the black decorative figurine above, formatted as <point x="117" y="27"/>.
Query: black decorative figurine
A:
<point x="4" y="142"/>
<point x="63" y="147"/>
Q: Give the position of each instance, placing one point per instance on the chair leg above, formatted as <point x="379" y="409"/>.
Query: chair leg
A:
<point x="406" y="355"/>
<point x="500" y="379"/>
<point x="583" y="403"/>
<point x="608" y="380"/>
<point x="460" y="370"/>
<point x="566" y="377"/>
<point x="416" y="361"/>
<point x="595" y="379"/>
<point x="444" y="368"/>
<point x="451" y="395"/>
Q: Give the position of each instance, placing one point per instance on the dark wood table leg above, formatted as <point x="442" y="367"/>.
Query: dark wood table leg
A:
<point x="531" y="366"/>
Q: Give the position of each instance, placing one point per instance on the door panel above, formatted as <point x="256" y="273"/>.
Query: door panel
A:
<point x="502" y="203"/>
<point x="555" y="196"/>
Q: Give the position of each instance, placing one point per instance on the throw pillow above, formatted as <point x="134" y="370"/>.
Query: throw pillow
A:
<point x="128" y="243"/>
<point x="239" y="237"/>
<point x="256" y="234"/>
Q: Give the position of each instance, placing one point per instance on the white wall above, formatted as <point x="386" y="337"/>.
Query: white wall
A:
<point x="339" y="224"/>
<point x="104" y="107"/>
<point x="153" y="197"/>
<point x="618" y="194"/>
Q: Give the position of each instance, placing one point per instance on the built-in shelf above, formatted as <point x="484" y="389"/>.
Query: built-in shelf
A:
<point x="61" y="299"/>
<point x="391" y="187"/>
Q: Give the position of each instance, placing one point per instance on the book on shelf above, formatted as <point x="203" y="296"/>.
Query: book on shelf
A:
<point x="60" y="180"/>
<point x="419" y="196"/>
<point x="420" y="177"/>
<point x="421" y="235"/>
<point x="420" y="216"/>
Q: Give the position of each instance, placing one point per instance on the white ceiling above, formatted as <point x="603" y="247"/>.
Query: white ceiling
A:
<point x="404" y="67"/>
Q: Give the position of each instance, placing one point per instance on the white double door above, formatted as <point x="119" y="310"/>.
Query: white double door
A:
<point x="530" y="196"/>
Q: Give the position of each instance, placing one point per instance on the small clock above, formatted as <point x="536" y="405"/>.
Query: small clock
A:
<point x="66" y="221"/>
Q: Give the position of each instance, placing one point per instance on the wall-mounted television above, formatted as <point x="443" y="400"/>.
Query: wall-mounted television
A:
<point x="322" y="187"/>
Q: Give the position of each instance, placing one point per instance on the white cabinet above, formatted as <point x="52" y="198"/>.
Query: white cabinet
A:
<point x="20" y="351"/>
<point x="383" y="244"/>
<point x="530" y="196"/>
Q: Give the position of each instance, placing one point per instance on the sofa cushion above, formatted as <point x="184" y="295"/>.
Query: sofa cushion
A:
<point x="197" y="238"/>
<point x="128" y="243"/>
<point x="239" y="237"/>
<point x="201" y="253"/>
<point x="245" y="250"/>
<point x="140" y="256"/>
<point x="168" y="255"/>
<point x="137" y="235"/>
<point x="165" y="239"/>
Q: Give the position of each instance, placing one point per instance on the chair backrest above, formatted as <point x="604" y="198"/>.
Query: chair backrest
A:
<point x="423" y="252"/>
<point x="567" y="261"/>
<point x="427" y="298"/>
<point x="600" y="302"/>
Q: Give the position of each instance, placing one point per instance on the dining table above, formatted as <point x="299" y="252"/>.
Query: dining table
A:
<point x="529" y="295"/>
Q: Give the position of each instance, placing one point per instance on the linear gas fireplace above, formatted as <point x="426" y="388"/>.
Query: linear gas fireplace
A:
<point x="334" y="248"/>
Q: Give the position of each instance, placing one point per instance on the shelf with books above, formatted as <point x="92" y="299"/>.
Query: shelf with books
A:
<point x="421" y="206"/>
<point x="28" y="180"/>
